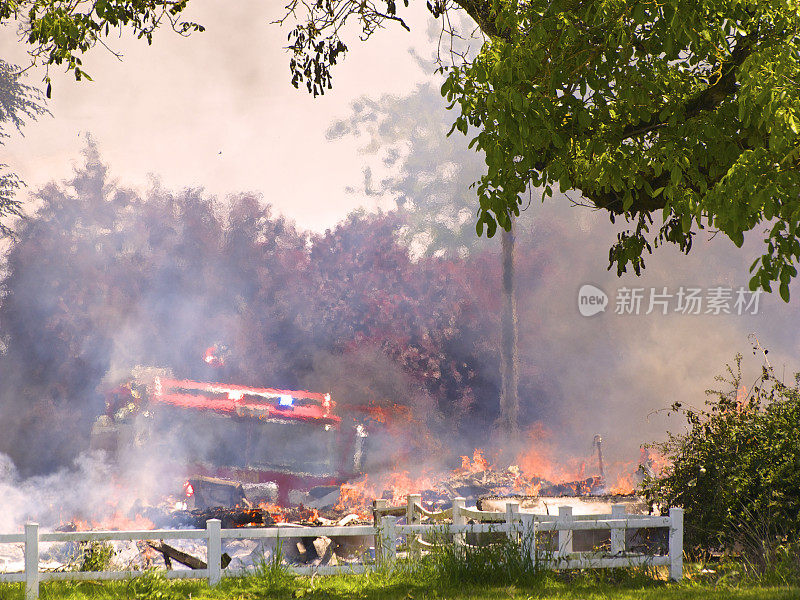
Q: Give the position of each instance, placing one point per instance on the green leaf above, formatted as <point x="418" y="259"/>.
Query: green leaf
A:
<point x="793" y="124"/>
<point x="627" y="202"/>
<point x="675" y="175"/>
<point x="686" y="222"/>
<point x="784" y="291"/>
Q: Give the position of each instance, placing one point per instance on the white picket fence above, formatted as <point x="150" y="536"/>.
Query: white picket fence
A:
<point x="524" y="527"/>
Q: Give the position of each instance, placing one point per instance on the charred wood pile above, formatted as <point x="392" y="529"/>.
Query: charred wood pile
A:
<point x="233" y="517"/>
<point x="507" y="483"/>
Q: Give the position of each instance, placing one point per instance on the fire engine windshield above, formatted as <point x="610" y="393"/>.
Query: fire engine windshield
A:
<point x="229" y="441"/>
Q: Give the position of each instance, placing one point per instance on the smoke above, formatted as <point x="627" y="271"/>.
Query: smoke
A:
<point x="81" y="491"/>
<point x="395" y="314"/>
<point x="613" y="374"/>
<point x="103" y="282"/>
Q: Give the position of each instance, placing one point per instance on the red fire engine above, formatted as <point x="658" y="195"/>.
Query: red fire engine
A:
<point x="286" y="441"/>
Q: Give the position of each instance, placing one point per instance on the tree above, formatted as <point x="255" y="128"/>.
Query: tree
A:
<point x="427" y="174"/>
<point x="509" y="343"/>
<point x="58" y="33"/>
<point x="429" y="182"/>
<point x="101" y="279"/>
<point x="687" y="109"/>
<point x="17" y="102"/>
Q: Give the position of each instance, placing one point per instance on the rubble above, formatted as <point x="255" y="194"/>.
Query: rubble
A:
<point x="507" y="483"/>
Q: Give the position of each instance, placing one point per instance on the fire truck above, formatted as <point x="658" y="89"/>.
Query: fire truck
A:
<point x="225" y="439"/>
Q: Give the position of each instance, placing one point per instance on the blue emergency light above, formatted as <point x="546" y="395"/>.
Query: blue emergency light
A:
<point x="285" y="400"/>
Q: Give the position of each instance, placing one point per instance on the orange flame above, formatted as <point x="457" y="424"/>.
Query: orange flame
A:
<point x="478" y="464"/>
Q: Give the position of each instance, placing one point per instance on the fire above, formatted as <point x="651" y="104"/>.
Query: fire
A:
<point x="624" y="484"/>
<point x="478" y="464"/>
<point x="652" y="460"/>
<point x="276" y="511"/>
<point x="741" y="394"/>
<point x="215" y="355"/>
<point x="356" y="496"/>
<point x="401" y="484"/>
<point x="537" y="460"/>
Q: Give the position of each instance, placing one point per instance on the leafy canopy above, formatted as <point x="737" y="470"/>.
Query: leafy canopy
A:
<point x="676" y="115"/>
<point x="59" y="32"/>
<point x="18" y="102"/>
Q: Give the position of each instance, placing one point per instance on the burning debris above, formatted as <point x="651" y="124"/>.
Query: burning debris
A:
<point x="476" y="479"/>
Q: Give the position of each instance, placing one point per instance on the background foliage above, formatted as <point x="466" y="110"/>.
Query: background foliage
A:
<point x="101" y="279"/>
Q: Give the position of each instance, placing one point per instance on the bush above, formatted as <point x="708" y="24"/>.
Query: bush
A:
<point x="736" y="470"/>
<point x="94" y="556"/>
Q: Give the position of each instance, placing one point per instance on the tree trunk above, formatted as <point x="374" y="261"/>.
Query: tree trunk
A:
<point x="508" y="423"/>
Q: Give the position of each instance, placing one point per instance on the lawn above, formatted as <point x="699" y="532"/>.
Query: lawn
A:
<point x="417" y="584"/>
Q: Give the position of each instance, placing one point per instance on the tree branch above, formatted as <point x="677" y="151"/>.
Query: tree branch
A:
<point x="480" y="11"/>
<point x="708" y="99"/>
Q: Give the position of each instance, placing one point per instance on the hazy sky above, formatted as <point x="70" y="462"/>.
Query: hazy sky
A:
<point x="217" y="110"/>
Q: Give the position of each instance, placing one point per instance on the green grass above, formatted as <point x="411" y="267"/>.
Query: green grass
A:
<point x="496" y="572"/>
<point x="422" y="582"/>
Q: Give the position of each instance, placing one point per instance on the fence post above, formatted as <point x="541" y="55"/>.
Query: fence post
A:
<point x="31" y="561"/>
<point x="411" y="518"/>
<point x="214" y="551"/>
<point x="618" y="533"/>
<point x="512" y="515"/>
<point x="676" y="544"/>
<point x="459" y="539"/>
<point x="388" y="540"/>
<point x="377" y="505"/>
<point x="565" y="535"/>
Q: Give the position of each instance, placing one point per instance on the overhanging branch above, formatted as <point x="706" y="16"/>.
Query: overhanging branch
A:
<point x="706" y="100"/>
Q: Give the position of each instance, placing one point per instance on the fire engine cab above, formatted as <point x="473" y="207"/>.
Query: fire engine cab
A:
<point x="280" y="443"/>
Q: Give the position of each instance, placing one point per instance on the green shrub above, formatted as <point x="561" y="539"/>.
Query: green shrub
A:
<point x="736" y="469"/>
<point x="94" y="556"/>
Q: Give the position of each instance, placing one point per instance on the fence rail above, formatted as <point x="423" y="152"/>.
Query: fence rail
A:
<point x="526" y="528"/>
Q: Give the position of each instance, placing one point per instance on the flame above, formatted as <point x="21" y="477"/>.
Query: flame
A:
<point x="654" y="461"/>
<point x="624" y="484"/>
<point x="214" y="356"/>
<point x="478" y="464"/>
<point x="276" y="511"/>
<point x="356" y="496"/>
<point x="537" y="460"/>
<point x="741" y="394"/>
